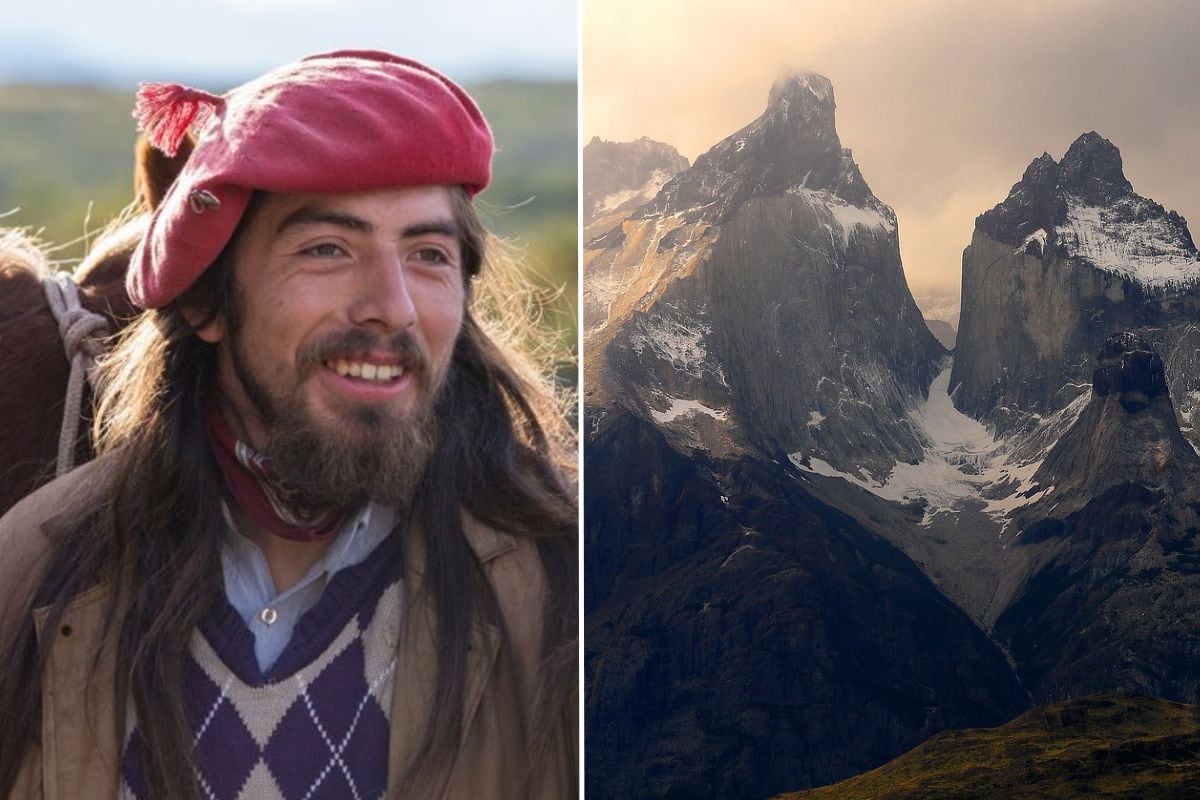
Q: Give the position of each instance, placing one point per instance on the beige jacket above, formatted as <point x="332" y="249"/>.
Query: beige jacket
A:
<point x="77" y="756"/>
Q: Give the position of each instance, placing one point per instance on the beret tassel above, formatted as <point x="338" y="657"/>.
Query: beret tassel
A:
<point x="165" y="111"/>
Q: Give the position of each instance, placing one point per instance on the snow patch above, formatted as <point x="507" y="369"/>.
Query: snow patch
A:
<point x="850" y="217"/>
<point x="815" y="418"/>
<point x="680" y="408"/>
<point x="644" y="192"/>
<point x="1150" y="251"/>
<point x="846" y="216"/>
<point x="1038" y="236"/>
<point x="962" y="461"/>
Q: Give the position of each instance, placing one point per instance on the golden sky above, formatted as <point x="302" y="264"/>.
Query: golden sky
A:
<point x="944" y="102"/>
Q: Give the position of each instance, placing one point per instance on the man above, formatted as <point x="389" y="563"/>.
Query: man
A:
<point x="328" y="546"/>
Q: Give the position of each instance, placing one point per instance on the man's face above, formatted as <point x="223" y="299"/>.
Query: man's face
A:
<point x="346" y="311"/>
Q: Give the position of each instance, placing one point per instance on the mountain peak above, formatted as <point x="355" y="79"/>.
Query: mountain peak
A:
<point x="1127" y="433"/>
<point x="1042" y="173"/>
<point x="1092" y="170"/>
<point x="791" y="147"/>
<point x="1084" y="207"/>
<point x="800" y="85"/>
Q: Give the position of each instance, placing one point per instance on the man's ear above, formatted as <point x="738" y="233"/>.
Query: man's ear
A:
<point x="154" y="171"/>
<point x="208" y="326"/>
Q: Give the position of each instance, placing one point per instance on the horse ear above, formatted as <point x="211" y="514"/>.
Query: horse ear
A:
<point x="154" y="171"/>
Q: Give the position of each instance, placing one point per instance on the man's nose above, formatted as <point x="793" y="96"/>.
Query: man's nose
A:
<point x="383" y="298"/>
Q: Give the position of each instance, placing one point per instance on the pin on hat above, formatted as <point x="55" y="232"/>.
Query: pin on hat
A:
<point x="341" y="122"/>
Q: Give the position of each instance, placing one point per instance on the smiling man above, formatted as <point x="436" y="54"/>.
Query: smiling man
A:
<point x="328" y="546"/>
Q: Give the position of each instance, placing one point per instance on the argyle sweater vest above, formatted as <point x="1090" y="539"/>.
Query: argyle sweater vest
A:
<point x="315" y="725"/>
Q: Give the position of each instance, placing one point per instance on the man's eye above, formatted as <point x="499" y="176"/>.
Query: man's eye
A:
<point x="432" y="255"/>
<point x="323" y="250"/>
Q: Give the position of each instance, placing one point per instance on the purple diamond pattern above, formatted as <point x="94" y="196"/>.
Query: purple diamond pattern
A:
<point x="336" y="725"/>
<point x="331" y="743"/>
<point x="225" y="753"/>
<point x="297" y="755"/>
<point x="362" y="754"/>
<point x="337" y="691"/>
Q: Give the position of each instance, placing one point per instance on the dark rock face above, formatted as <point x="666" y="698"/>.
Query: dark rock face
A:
<point x="1070" y="257"/>
<point x="743" y="638"/>
<point x="1129" y="367"/>
<point x="1113" y="601"/>
<point x="1115" y="604"/>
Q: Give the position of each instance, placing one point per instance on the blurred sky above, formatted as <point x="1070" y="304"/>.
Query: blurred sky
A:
<point x="123" y="41"/>
<point x="943" y="102"/>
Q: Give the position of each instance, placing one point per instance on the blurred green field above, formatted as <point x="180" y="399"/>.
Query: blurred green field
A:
<point x="66" y="160"/>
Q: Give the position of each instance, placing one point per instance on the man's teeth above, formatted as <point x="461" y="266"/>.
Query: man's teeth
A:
<point x="365" y="371"/>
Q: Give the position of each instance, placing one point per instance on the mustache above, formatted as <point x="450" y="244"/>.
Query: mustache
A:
<point x="356" y="342"/>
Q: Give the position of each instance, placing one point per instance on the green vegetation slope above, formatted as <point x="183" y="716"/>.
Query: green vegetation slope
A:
<point x="1100" y="746"/>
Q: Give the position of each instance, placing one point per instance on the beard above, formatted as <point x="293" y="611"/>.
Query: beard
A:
<point x="370" y="455"/>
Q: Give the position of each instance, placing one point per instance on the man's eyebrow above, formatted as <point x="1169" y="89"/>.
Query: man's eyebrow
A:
<point x="444" y="227"/>
<point x="308" y="215"/>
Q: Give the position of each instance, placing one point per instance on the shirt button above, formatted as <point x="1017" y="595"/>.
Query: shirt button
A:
<point x="268" y="616"/>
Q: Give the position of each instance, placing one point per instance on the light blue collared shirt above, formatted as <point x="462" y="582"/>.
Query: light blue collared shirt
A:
<point x="272" y="616"/>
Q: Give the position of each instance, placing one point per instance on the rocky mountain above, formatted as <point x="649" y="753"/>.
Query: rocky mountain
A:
<point x="813" y="537"/>
<point x="747" y="325"/>
<point x="757" y="303"/>
<point x="1071" y="256"/>
<point x="1104" y="745"/>
<point x="1127" y="433"/>
<point x="620" y="176"/>
<point x="1112" y="547"/>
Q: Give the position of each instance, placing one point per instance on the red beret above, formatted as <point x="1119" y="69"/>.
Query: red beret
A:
<point x="348" y="121"/>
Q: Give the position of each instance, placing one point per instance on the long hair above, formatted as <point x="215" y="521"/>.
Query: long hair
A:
<point x="505" y="456"/>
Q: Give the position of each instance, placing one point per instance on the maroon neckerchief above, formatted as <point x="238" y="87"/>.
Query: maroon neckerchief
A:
<point x="259" y="493"/>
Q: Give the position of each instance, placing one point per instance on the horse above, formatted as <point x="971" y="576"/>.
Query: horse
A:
<point x="34" y="366"/>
